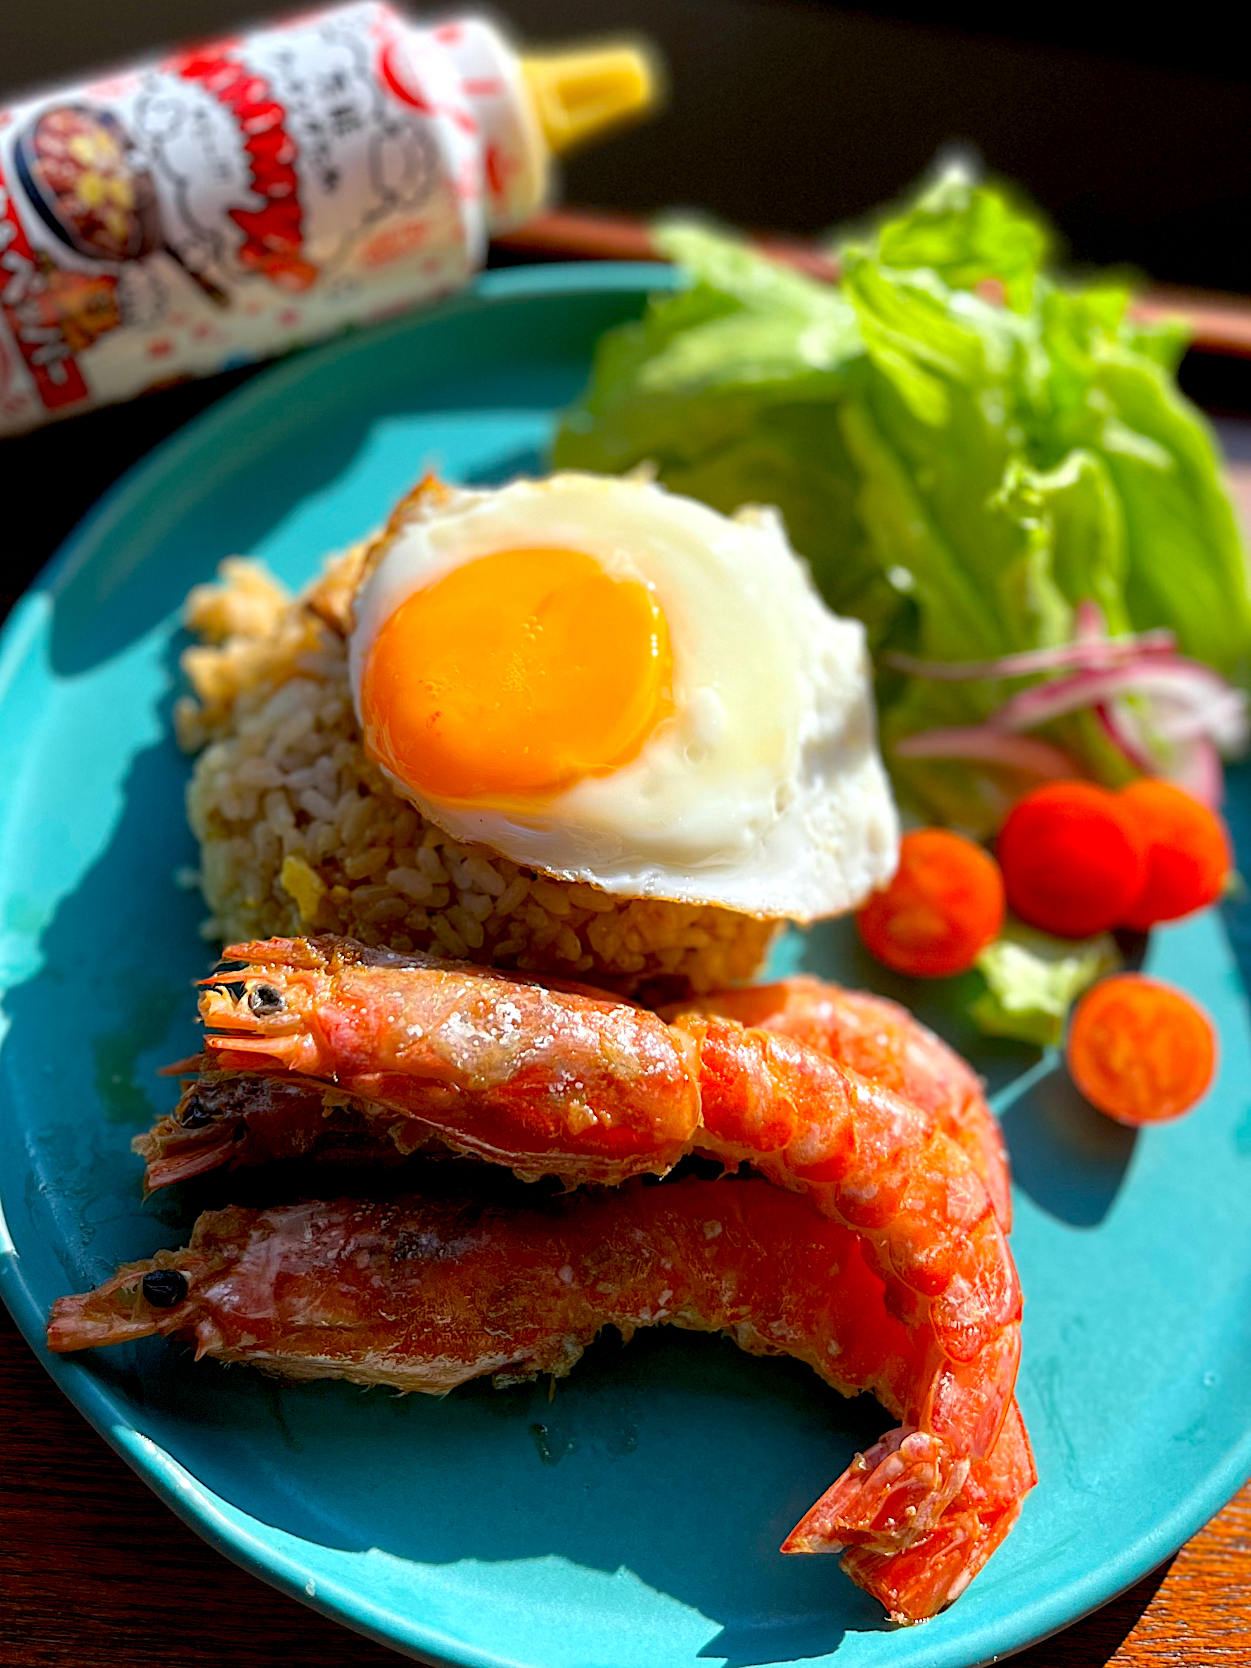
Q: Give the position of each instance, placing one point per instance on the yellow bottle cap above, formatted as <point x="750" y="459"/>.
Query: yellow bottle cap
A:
<point x="578" y="93"/>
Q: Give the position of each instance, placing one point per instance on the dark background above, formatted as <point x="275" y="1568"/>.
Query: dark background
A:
<point x="1132" y="134"/>
<point x="793" y="115"/>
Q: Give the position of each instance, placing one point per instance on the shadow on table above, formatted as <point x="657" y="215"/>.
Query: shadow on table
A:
<point x="1096" y="1639"/>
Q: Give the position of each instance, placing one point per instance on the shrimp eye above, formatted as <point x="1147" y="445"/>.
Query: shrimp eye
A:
<point x="163" y="1287"/>
<point x="195" y="1115"/>
<point x="264" y="999"/>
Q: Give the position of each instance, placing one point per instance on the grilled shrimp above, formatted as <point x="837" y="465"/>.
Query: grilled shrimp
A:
<point x="234" y="1121"/>
<point x="493" y="1061"/>
<point x="552" y="1080"/>
<point x="427" y="1293"/>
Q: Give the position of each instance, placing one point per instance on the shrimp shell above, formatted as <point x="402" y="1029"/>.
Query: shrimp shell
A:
<point x="425" y="1294"/>
<point x="882" y="1042"/>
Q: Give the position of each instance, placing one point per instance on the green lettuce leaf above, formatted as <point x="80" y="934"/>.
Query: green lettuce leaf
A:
<point x="1032" y="979"/>
<point x="968" y="237"/>
<point x="962" y="447"/>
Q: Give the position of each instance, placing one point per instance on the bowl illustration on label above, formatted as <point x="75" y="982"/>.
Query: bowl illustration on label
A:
<point x="91" y="189"/>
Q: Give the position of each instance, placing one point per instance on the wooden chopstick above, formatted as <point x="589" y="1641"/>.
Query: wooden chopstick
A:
<point x="1217" y="323"/>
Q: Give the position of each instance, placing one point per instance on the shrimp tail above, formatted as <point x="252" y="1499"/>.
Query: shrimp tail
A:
<point x="888" y="1497"/>
<point x="916" y="1583"/>
<point x="923" y="1578"/>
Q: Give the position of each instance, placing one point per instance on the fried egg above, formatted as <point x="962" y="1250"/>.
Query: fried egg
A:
<point x="609" y="683"/>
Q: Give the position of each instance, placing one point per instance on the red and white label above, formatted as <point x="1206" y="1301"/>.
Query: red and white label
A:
<point x="242" y="197"/>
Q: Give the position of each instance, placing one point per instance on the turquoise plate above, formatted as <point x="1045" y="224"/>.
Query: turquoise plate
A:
<point x="633" y="1522"/>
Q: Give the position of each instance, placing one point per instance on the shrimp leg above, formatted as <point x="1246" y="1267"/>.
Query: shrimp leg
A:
<point x="427" y="1293"/>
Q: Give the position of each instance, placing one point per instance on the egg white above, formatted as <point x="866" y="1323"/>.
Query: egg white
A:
<point x="763" y="791"/>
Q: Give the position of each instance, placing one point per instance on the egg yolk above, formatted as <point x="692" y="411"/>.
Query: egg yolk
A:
<point x="514" y="676"/>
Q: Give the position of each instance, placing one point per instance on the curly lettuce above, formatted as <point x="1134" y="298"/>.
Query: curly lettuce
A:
<point x="1032" y="980"/>
<point x="963" y="447"/>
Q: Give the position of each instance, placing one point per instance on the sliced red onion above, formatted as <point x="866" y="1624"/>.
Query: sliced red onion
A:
<point x="1194" y="762"/>
<point x="1119" y="725"/>
<point x="984" y="745"/>
<point x="1166" y="715"/>
<point x="1089" y="653"/>
<point x="1197" y="769"/>
<point x="1223" y="720"/>
<point x="1184" y="681"/>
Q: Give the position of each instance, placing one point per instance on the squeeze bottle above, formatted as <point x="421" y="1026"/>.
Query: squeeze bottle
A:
<point x="236" y="199"/>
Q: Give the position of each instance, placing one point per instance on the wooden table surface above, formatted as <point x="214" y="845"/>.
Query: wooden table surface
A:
<point x="95" y="1570"/>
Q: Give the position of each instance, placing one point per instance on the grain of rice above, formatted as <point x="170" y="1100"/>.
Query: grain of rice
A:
<point x="449" y="938"/>
<point x="321" y="841"/>
<point x="512" y="895"/>
<point x="411" y="882"/>
<point x="404" y="826"/>
<point x="429" y="863"/>
<point x="282" y="778"/>
<point x="387" y="910"/>
<point x="365" y="897"/>
<point x="551" y="896"/>
<point x="487" y="879"/>
<point x="367" y="861"/>
<point x="466" y="926"/>
<point x="258" y="773"/>
<point x="567" y="945"/>
<point x="278" y="812"/>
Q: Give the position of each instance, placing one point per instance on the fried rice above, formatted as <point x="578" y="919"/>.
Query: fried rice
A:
<point x="300" y="832"/>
